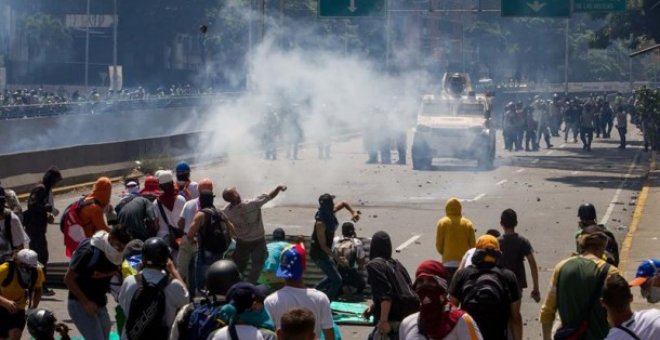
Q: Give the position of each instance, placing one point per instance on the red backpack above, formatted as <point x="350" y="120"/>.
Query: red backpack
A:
<point x="71" y="226"/>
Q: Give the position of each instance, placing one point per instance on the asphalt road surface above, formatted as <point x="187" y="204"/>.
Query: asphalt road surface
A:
<point x="544" y="187"/>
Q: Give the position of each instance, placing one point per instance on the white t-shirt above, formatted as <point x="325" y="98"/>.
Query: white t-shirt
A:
<point x="467" y="258"/>
<point x="176" y="294"/>
<point x="188" y="212"/>
<point x="193" y="188"/>
<point x="172" y="215"/>
<point x="289" y="297"/>
<point x="465" y="329"/>
<point x="243" y="332"/>
<point x="18" y="235"/>
<point x="645" y="324"/>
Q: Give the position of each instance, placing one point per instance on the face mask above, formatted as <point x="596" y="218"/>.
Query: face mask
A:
<point x="25" y="273"/>
<point x="652" y="295"/>
<point x="430" y="297"/>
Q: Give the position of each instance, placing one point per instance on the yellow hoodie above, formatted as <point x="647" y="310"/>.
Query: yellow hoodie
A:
<point x="454" y="234"/>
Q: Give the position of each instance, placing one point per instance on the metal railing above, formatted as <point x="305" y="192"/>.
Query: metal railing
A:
<point x="111" y="105"/>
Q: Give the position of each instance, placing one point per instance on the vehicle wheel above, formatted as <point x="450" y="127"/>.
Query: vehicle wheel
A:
<point x="420" y="156"/>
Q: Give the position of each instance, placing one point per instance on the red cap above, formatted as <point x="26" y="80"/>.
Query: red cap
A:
<point x="150" y="186"/>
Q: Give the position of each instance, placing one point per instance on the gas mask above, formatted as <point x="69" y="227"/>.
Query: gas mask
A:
<point x="651" y="292"/>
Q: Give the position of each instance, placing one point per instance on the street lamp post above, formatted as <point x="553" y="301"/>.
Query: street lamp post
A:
<point x="87" y="48"/>
<point x="113" y="76"/>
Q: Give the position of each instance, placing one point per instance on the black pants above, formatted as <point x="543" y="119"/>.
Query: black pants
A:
<point x="622" y="136"/>
<point x="530" y="136"/>
<point x="40" y="246"/>
<point x="351" y="277"/>
<point x="587" y="136"/>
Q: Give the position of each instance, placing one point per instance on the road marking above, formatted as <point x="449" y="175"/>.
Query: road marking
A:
<point x="421" y="198"/>
<point x="575" y="173"/>
<point x="520" y="170"/>
<point x="562" y="146"/>
<point x="610" y="208"/>
<point x="480" y="196"/>
<point x="550" y="152"/>
<point x="407" y="243"/>
<point x="501" y="182"/>
<point x="535" y="161"/>
<point x="634" y="224"/>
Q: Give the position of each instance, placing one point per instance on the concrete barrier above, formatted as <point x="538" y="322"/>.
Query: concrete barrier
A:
<point x="20" y="171"/>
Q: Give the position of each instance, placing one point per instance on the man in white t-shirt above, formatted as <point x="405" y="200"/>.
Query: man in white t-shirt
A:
<point x="169" y="204"/>
<point x="626" y="324"/>
<point x="187" y="248"/>
<point x="437" y="318"/>
<point x="157" y="266"/>
<point x="294" y="294"/>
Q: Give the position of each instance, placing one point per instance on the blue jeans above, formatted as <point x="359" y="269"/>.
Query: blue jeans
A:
<point x="331" y="284"/>
<point x="203" y="260"/>
<point x="95" y="326"/>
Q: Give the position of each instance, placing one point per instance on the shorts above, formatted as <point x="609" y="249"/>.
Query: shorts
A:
<point x="11" y="321"/>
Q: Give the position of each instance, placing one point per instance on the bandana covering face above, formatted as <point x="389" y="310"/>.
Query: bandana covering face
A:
<point x="437" y="318"/>
<point x="100" y="241"/>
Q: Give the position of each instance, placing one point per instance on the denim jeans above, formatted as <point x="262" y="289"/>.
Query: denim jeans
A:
<point x="95" y="326"/>
<point x="203" y="260"/>
<point x="331" y="284"/>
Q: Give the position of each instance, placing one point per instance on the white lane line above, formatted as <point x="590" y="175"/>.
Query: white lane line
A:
<point x="610" y="208"/>
<point x="575" y="173"/>
<point x="501" y="182"/>
<point x="562" y="146"/>
<point x="550" y="152"/>
<point x="520" y="170"/>
<point x="478" y="197"/>
<point x="421" y="198"/>
<point x="535" y="161"/>
<point x="407" y="243"/>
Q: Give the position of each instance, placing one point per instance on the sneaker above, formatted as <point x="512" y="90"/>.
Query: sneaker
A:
<point x="47" y="292"/>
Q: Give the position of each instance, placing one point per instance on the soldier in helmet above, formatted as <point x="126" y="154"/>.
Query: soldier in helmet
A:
<point x="586" y="123"/>
<point x="531" y="126"/>
<point x="606" y="119"/>
<point x="520" y="124"/>
<point x="509" y="125"/>
<point x="544" y="120"/>
<point x="555" y="115"/>
<point x="571" y="115"/>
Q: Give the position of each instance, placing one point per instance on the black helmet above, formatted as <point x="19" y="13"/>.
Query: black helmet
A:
<point x="155" y="252"/>
<point x="41" y="323"/>
<point x="587" y="212"/>
<point x="221" y="276"/>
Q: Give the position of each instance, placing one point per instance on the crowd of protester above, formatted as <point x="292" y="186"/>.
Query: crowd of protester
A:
<point x="177" y="266"/>
<point x="19" y="103"/>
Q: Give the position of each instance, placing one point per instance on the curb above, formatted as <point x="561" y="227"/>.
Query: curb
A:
<point x="626" y="245"/>
<point x="63" y="190"/>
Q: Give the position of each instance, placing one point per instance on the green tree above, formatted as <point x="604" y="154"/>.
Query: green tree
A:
<point x="47" y="37"/>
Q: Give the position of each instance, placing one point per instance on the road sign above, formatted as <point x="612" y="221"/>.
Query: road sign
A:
<point x="536" y="8"/>
<point x="599" y="5"/>
<point x="352" y="8"/>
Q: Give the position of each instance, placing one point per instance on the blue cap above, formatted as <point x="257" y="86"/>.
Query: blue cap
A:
<point x="243" y="294"/>
<point x="292" y="263"/>
<point x="182" y="167"/>
<point x="646" y="270"/>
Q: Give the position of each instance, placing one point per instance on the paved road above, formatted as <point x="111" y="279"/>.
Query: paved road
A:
<point x="544" y="187"/>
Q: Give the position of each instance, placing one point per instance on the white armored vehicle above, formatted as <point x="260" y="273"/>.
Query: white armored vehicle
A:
<point x="454" y="124"/>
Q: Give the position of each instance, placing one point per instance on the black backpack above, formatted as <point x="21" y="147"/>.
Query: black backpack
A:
<point x="145" y="319"/>
<point x="486" y="299"/>
<point x="406" y="301"/>
<point x="7" y="237"/>
<point x="213" y="235"/>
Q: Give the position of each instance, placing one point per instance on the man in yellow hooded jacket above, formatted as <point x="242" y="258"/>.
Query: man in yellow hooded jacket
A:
<point x="454" y="236"/>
